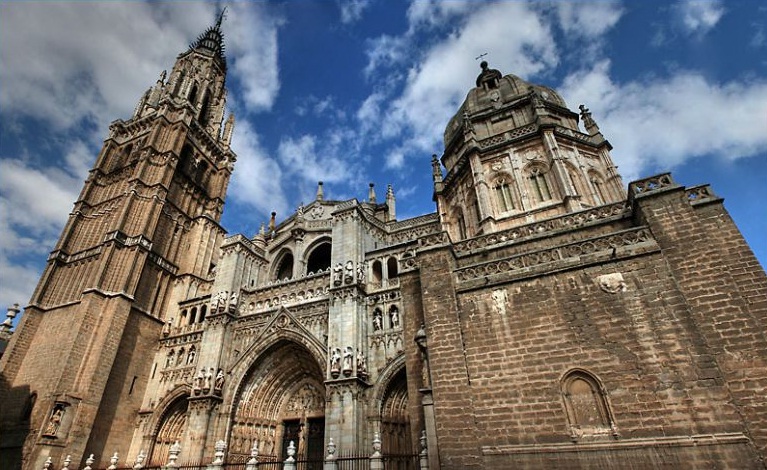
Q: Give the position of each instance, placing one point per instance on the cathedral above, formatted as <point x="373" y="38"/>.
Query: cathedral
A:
<point x="545" y="315"/>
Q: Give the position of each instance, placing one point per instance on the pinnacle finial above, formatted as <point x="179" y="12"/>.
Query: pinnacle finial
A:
<point x="221" y="17"/>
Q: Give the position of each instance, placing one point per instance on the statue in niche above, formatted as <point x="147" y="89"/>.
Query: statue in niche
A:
<point x="377" y="320"/>
<point x="338" y="274"/>
<point x="362" y="368"/>
<point x="219" y="384"/>
<point x="349" y="277"/>
<point x="208" y="381"/>
<point x="190" y="358"/>
<point x="335" y="362"/>
<point x="233" y="301"/>
<point x="222" y="298"/>
<point x="360" y="273"/>
<point x="394" y="317"/>
<point x="180" y="357"/>
<point x="198" y="381"/>
<point x="54" y="422"/>
<point x="348" y="354"/>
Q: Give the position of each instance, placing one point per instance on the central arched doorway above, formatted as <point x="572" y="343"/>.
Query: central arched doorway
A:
<point x="395" y="421"/>
<point x="281" y="399"/>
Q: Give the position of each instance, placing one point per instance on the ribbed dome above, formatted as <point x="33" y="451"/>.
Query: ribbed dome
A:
<point x="494" y="90"/>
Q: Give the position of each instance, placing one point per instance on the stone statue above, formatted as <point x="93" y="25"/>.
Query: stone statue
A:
<point x="360" y="273"/>
<point x="198" y="381"/>
<point x="335" y="361"/>
<point x="208" y="380"/>
<point x="394" y="317"/>
<point x="349" y="277"/>
<point x="338" y="274"/>
<point x="377" y="320"/>
<point x="362" y="368"/>
<point x="348" y="353"/>
<point x="219" y="384"/>
<point x="190" y="358"/>
<point x="55" y="421"/>
<point x="233" y="299"/>
<point x="222" y="298"/>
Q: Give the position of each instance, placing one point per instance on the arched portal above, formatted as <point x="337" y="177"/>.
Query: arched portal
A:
<point x="171" y="429"/>
<point x="281" y="399"/>
<point x="395" y="421"/>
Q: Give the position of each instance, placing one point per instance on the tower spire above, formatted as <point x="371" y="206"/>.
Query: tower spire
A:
<point x="212" y="40"/>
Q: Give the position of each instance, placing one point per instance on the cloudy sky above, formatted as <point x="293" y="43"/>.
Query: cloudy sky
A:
<point x="351" y="92"/>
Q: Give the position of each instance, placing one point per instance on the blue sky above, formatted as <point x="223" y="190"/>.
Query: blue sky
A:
<point x="360" y="91"/>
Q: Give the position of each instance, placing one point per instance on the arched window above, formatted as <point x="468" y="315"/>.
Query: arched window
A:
<point x="588" y="413"/>
<point x="201" y="174"/>
<point x="596" y="182"/>
<point x="285" y="267"/>
<point x="461" y="226"/>
<point x="192" y="97"/>
<point x="319" y="258"/>
<point x="203" y="311"/>
<point x="539" y="185"/>
<point x="193" y="315"/>
<point x="204" y="108"/>
<point x="182" y="317"/>
<point x="503" y="195"/>
<point x="391" y="267"/>
<point x="377" y="273"/>
<point x="179" y="82"/>
<point x="185" y="158"/>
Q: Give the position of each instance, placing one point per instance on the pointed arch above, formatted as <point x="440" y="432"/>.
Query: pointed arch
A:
<point x="391" y="401"/>
<point x="204" y="108"/>
<point x="506" y="199"/>
<point x="284" y="265"/>
<point x="318" y="255"/>
<point x="168" y="426"/>
<point x="539" y="185"/>
<point x="597" y="182"/>
<point x="281" y="383"/>
<point x="192" y="96"/>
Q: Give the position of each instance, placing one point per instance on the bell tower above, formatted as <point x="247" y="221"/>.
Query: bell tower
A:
<point x="514" y="154"/>
<point x="147" y="220"/>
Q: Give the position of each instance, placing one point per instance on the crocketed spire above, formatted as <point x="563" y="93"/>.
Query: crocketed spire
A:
<point x="212" y="40"/>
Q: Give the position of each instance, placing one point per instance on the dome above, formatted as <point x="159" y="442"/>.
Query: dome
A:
<point x="494" y="90"/>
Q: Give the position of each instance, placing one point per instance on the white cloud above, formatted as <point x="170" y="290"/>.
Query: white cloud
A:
<point x="351" y="10"/>
<point x="257" y="178"/>
<point x="95" y="74"/>
<point x="302" y="158"/>
<point x="589" y="19"/>
<point x="700" y="16"/>
<point x="34" y="205"/>
<point x="436" y="86"/>
<point x="662" y="122"/>
<point x="432" y="13"/>
<point x="251" y="42"/>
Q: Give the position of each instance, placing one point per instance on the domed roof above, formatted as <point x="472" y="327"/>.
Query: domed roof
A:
<point x="493" y="90"/>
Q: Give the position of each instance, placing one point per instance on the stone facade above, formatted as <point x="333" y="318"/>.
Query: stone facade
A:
<point x="541" y="317"/>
